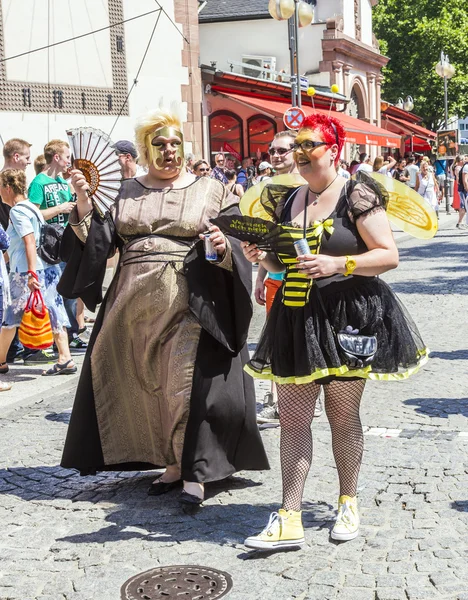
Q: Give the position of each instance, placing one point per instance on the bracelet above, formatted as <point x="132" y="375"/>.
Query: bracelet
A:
<point x="33" y="274"/>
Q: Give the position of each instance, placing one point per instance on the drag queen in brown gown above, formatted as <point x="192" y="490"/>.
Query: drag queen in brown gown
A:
<point x="163" y="383"/>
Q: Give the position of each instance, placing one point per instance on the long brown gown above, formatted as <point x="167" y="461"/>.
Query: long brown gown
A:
<point x="144" y="357"/>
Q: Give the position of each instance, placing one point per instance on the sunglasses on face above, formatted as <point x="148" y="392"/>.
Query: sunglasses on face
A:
<point x="308" y="145"/>
<point x="278" y="151"/>
<point x="202" y="170"/>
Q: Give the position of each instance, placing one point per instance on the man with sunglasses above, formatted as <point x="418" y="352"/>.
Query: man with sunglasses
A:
<point x="201" y="169"/>
<point x="281" y="152"/>
<point x="219" y="170"/>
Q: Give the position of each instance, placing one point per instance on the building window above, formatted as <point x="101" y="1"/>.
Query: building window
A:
<point x="462" y="126"/>
<point x="261" y="131"/>
<point x="226" y="135"/>
<point x="58" y="98"/>
<point x="120" y="43"/>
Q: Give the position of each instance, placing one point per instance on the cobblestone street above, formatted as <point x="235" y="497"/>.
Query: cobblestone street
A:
<point x="70" y="538"/>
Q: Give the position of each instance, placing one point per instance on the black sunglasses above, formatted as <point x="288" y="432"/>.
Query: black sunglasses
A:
<point x="278" y="151"/>
<point x="309" y="145"/>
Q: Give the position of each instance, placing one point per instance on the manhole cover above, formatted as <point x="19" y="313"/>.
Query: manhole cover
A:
<point x="181" y="582"/>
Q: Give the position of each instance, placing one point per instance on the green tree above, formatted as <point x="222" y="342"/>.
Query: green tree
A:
<point x="413" y="34"/>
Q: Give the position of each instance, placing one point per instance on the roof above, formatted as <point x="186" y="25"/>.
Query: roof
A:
<point x="357" y="131"/>
<point x="233" y="10"/>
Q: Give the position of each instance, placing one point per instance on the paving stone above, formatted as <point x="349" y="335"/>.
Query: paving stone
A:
<point x="88" y="535"/>
<point x="390" y="594"/>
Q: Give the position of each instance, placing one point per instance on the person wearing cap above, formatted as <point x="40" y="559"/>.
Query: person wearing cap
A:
<point x="127" y="155"/>
<point x="264" y="171"/>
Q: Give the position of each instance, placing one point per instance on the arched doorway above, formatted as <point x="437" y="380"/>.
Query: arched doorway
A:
<point x="357" y="109"/>
<point x="226" y="135"/>
<point x="261" y="131"/>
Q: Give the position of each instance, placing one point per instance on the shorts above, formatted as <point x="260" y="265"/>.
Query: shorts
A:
<point x="463" y="200"/>
<point x="272" y="286"/>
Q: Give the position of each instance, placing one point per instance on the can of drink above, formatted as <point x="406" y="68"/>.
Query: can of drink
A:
<point x="302" y="247"/>
<point x="210" y="252"/>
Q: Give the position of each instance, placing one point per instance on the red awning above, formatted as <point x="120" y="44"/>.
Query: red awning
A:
<point x="357" y="131"/>
<point x="405" y="127"/>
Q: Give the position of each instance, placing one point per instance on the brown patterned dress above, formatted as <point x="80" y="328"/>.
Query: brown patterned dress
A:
<point x="145" y="353"/>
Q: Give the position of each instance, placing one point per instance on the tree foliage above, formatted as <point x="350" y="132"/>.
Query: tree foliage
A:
<point x="413" y="34"/>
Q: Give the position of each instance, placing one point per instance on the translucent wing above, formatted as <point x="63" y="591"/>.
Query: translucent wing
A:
<point x="93" y="154"/>
<point x="250" y="204"/>
<point x="407" y="209"/>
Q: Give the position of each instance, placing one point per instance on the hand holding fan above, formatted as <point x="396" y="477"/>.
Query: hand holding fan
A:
<point x="93" y="154"/>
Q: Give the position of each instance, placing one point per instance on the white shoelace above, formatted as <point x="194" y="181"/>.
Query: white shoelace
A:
<point x="346" y="515"/>
<point x="276" y="520"/>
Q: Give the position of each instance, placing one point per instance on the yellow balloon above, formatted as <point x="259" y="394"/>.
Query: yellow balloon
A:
<point x="311" y="91"/>
<point x="407" y="209"/>
<point x="335" y="89"/>
<point x="250" y="204"/>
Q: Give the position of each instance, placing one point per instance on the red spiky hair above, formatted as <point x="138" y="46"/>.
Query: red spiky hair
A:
<point x="331" y="129"/>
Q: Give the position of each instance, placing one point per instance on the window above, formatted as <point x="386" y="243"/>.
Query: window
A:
<point x="226" y="135"/>
<point x="261" y="131"/>
<point x="462" y="126"/>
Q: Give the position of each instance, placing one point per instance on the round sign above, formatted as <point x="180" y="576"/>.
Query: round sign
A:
<point x="294" y="117"/>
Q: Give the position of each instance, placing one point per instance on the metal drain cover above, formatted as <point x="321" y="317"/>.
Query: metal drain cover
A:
<point x="181" y="582"/>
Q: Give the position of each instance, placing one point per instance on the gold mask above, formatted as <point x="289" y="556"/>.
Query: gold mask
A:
<point x="156" y="154"/>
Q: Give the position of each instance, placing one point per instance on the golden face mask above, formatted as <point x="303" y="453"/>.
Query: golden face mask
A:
<point x="156" y="151"/>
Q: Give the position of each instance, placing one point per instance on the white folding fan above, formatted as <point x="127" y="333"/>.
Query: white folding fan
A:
<point x="93" y="154"/>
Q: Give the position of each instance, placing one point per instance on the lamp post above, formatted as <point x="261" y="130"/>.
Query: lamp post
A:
<point x="299" y="14"/>
<point x="447" y="71"/>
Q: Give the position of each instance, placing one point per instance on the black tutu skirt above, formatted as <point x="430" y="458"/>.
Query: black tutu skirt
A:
<point x="298" y="345"/>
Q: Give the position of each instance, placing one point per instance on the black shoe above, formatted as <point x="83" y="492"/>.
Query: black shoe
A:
<point x="157" y="488"/>
<point x="41" y="357"/>
<point x="190" y="504"/>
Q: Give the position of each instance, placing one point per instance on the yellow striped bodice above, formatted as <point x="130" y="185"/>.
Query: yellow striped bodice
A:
<point x="297" y="286"/>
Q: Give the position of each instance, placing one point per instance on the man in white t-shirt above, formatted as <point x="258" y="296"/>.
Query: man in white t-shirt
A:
<point x="364" y="163"/>
<point x="411" y="172"/>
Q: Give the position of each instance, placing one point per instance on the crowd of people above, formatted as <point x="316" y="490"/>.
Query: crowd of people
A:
<point x="167" y="379"/>
<point x="425" y="175"/>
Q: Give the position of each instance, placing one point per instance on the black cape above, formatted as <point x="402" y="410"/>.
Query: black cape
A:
<point x="221" y="436"/>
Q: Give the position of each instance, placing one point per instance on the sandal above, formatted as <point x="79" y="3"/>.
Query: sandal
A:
<point x="4" y="368"/>
<point x="59" y="369"/>
<point x="4" y="386"/>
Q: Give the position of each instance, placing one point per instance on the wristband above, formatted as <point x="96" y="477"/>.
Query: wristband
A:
<point x="34" y="274"/>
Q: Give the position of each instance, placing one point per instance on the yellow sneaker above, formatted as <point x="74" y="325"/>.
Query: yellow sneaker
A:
<point x="284" y="530"/>
<point x="347" y="523"/>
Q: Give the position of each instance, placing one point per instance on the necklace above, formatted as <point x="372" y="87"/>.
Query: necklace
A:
<point x="318" y="194"/>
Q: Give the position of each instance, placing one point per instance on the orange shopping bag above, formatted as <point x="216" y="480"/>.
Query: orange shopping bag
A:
<point x="35" y="331"/>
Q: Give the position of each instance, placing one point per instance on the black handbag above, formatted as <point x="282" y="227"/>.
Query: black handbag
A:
<point x="51" y="237"/>
<point x="355" y="350"/>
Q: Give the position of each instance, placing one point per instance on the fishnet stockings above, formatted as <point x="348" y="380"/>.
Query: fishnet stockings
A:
<point x="296" y="409"/>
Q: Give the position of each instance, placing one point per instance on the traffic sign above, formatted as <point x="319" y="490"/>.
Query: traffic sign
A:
<point x="294" y="117"/>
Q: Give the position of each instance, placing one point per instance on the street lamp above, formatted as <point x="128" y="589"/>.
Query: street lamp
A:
<point x="447" y="71"/>
<point x="299" y="14"/>
<point x="406" y="105"/>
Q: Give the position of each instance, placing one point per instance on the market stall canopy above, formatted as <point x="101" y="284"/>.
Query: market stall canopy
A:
<point x="357" y="131"/>
<point x="422" y="136"/>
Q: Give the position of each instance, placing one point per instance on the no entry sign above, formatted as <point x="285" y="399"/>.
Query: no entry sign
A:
<point x="294" y="117"/>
